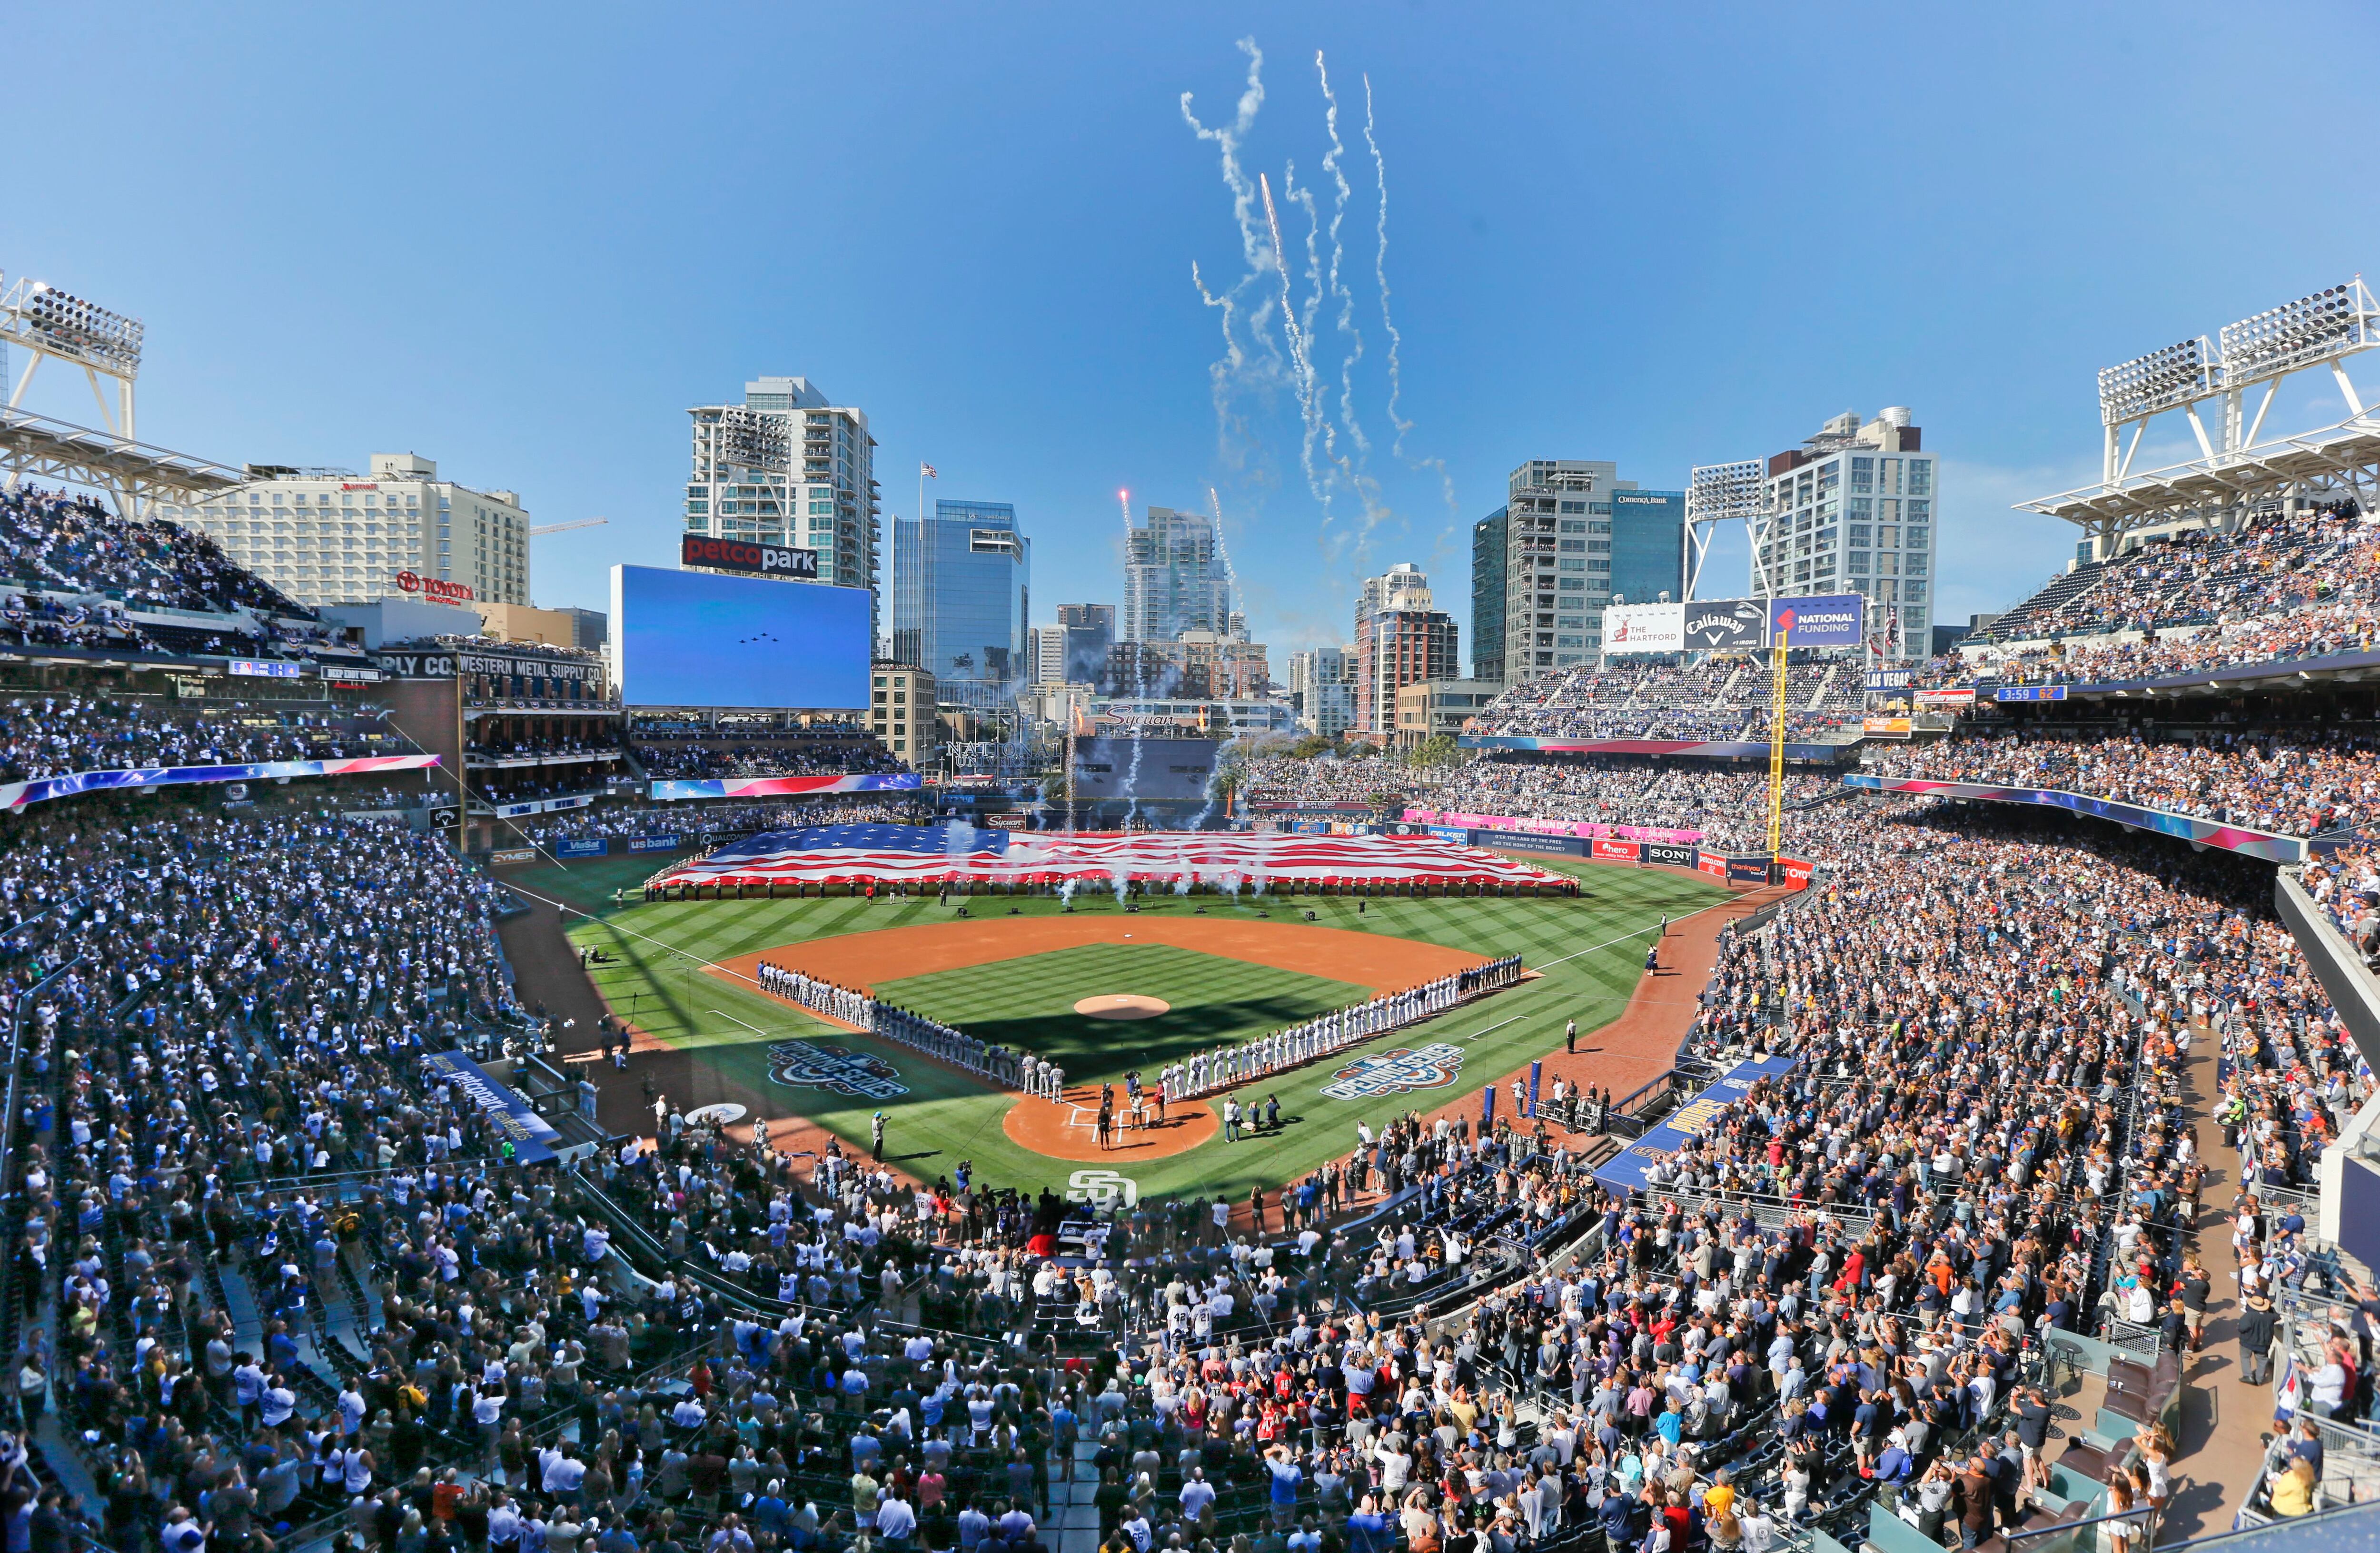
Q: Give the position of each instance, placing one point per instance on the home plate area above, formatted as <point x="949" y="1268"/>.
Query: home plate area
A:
<point x="1069" y="1128"/>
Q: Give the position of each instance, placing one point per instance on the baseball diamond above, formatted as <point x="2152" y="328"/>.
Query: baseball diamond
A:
<point x="685" y="974"/>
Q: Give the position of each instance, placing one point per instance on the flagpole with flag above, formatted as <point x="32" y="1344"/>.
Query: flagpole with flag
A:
<point x="925" y="560"/>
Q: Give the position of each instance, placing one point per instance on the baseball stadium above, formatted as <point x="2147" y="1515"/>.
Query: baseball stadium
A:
<point x="1117" y="983"/>
<point x="812" y="1047"/>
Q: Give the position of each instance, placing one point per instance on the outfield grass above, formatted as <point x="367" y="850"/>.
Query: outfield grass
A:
<point x="1590" y="950"/>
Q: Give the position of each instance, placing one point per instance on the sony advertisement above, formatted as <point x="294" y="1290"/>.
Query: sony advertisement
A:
<point x="1821" y="620"/>
<point x="1643" y="628"/>
<point x="1725" y="624"/>
<point x="698" y="639"/>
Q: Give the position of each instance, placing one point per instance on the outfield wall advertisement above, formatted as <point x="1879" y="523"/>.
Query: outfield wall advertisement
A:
<point x="1819" y="620"/>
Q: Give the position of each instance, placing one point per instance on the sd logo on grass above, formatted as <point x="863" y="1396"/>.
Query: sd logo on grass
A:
<point x="817" y="1065"/>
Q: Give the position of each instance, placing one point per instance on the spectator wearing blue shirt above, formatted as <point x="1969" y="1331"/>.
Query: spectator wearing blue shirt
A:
<point x="1368" y="1529"/>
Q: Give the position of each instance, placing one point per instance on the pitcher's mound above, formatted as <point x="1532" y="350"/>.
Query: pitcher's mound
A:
<point x="1122" y="1005"/>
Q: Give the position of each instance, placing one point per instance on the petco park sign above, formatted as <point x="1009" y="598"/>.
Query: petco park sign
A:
<point x="740" y="555"/>
<point x="433" y="589"/>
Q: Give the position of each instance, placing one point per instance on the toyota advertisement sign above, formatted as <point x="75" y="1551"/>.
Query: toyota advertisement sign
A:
<point x="1726" y="625"/>
<point x="1823" y="619"/>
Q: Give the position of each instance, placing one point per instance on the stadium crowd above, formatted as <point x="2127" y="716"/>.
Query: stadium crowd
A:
<point x="1653" y="697"/>
<point x="2287" y="784"/>
<point x="714" y="821"/>
<point x="72" y="545"/>
<point x="55" y="735"/>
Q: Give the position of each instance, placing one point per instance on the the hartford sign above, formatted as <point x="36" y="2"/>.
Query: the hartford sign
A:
<point x="433" y="589"/>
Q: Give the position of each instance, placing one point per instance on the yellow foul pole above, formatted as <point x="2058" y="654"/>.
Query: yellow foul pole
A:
<point x="1777" y="748"/>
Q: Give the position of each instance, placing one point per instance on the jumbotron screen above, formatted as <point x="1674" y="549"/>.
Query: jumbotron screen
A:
<point x="1155" y="769"/>
<point x="698" y="639"/>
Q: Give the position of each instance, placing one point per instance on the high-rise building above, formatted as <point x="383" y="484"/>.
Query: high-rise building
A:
<point x="1045" y="655"/>
<point x="962" y="587"/>
<point x="1174" y="578"/>
<point x="1488" y="566"/>
<point x="333" y="536"/>
<point x="1400" y="640"/>
<point x="901" y="713"/>
<point x="1575" y="535"/>
<point x="1854" y="510"/>
<point x="1090" y="631"/>
<point x="1322" y="689"/>
<point x="1648" y="545"/>
<point x="787" y="467"/>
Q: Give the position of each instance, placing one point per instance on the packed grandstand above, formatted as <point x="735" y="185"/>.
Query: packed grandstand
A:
<point x="279" y="1278"/>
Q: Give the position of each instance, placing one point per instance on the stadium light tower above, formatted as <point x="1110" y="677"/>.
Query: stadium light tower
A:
<point x="2237" y="472"/>
<point x="49" y="323"/>
<point x="1717" y="493"/>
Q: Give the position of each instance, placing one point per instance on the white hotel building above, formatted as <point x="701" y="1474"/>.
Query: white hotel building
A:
<point x="332" y="537"/>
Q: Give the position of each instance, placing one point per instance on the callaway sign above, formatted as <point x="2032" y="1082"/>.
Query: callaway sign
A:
<point x="1722" y="623"/>
<point x="741" y="555"/>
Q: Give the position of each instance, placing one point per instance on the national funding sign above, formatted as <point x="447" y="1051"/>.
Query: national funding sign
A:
<point x="741" y="555"/>
<point x="1818" y="620"/>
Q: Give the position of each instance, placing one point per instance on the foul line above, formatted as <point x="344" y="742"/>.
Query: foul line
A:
<point x="1498" y="1025"/>
<point x="1637" y="934"/>
<point x="647" y="937"/>
<point x="733" y="1020"/>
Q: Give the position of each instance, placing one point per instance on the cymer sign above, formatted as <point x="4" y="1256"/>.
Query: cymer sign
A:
<point x="693" y="639"/>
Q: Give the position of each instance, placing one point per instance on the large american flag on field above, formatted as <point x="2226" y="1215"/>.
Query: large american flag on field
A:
<point x="961" y="853"/>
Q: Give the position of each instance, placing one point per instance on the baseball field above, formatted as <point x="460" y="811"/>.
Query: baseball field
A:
<point x="1196" y="972"/>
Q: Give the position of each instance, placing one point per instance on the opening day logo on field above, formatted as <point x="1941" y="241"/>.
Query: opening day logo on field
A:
<point x="817" y="1065"/>
<point x="1396" y="1073"/>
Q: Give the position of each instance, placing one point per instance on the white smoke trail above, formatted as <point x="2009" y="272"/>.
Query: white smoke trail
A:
<point x="1246" y="304"/>
<point x="1388" y="323"/>
<point x="1333" y="163"/>
<point x="1381" y="272"/>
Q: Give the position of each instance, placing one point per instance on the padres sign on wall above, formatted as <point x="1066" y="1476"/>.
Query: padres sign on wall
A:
<point x="817" y="1065"/>
<point x="1396" y="1073"/>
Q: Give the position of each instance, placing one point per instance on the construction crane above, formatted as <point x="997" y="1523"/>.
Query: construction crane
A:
<point x="565" y="528"/>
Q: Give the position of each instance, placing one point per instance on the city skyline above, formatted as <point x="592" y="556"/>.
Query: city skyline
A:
<point x="1941" y="293"/>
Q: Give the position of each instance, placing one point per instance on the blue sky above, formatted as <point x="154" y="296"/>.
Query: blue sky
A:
<point x="523" y="240"/>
